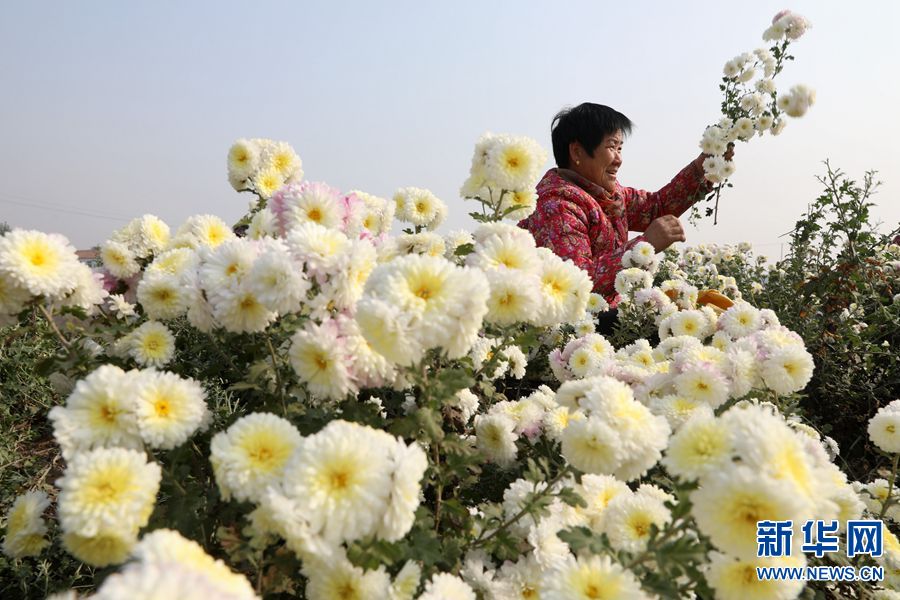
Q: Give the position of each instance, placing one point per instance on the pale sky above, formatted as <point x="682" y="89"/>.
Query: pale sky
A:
<point x="115" y="109"/>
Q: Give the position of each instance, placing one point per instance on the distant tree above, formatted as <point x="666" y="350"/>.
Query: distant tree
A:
<point x="4" y="228"/>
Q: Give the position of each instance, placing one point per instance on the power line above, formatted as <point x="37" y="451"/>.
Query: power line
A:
<point x="56" y="208"/>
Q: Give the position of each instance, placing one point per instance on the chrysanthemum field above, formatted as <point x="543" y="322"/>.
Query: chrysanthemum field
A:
<point x="313" y="407"/>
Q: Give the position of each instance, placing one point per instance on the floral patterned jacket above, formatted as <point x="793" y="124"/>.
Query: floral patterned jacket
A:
<point x="581" y="221"/>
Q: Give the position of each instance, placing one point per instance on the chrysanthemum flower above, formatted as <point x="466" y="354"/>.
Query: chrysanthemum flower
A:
<point x="736" y="578"/>
<point x="444" y="586"/>
<point x="337" y="578"/>
<point x="107" y="490"/>
<point x="514" y="297"/>
<point x="419" y="207"/>
<point x="704" y="385"/>
<point x="513" y="162"/>
<point x="118" y="259"/>
<point x="151" y="344"/>
<point x="283" y="159"/>
<point x="884" y="428"/>
<point x="409" y="467"/>
<point x="628" y="519"/>
<point x="243" y="159"/>
<point x="701" y="446"/>
<point x="39" y="262"/>
<point x="496" y="438"/>
<point x="102" y="550"/>
<point x="25" y="527"/>
<point x="341" y="482"/>
<point x="266" y="181"/>
<point x="591" y="446"/>
<point x="164" y="546"/>
<point x="318" y="356"/>
<point x="252" y="454"/>
<point x="168" y="409"/>
<point x="787" y="370"/>
<point x="99" y="412"/>
<point x="240" y="310"/>
<point x="730" y="503"/>
<point x="590" y="578"/>
<point x="162" y="296"/>
<point x="320" y="248"/>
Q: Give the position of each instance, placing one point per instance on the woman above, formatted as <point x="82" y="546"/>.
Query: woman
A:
<point x="584" y="214"/>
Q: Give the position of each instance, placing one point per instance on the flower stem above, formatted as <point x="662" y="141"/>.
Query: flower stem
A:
<point x="278" y="382"/>
<point x="887" y="501"/>
<point x="62" y="338"/>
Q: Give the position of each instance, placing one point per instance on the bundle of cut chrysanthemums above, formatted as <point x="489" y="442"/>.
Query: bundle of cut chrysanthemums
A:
<point x="752" y="106"/>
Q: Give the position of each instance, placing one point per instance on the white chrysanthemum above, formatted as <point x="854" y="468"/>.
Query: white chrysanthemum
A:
<point x="597" y="303"/>
<point x="39" y="262"/>
<point x="282" y="157"/>
<point x="703" y="384"/>
<point x="151" y="345"/>
<point x="884" y="428"/>
<point x="202" y="231"/>
<point x="419" y="207"/>
<point x="467" y="403"/>
<point x="267" y="181"/>
<point x="225" y="266"/>
<point x="162" y="296"/>
<point x="168" y="409"/>
<point x="277" y="282"/>
<point x="496" y="438"/>
<point x="338" y="579"/>
<point x="677" y="409"/>
<point x="548" y="550"/>
<point x="315" y="203"/>
<point x="177" y="262"/>
<point x="107" y="490"/>
<point x="386" y="329"/>
<point x="787" y="370"/>
<point x="505" y="252"/>
<point x="348" y="284"/>
<point x="25" y="527"/>
<point x="736" y="578"/>
<point x="99" y="412"/>
<point x="252" y="454"/>
<point x="583" y="361"/>
<point x="598" y="491"/>
<point x="165" y="546"/>
<point x="340" y="479"/>
<point x="262" y="225"/>
<point x="444" y="586"/>
<point x="630" y="280"/>
<point x="513" y="163"/>
<point x="517" y="360"/>
<point x="108" y="548"/>
<point x="406" y="582"/>
<point x="319" y="247"/>
<point x="88" y="292"/>
<point x="592" y="446"/>
<point x="440" y="304"/>
<point x="730" y="503"/>
<point x="240" y="310"/>
<point x="139" y="581"/>
<point x="12" y="296"/>
<point x="151" y="236"/>
<point x="628" y="520"/>
<point x="565" y="289"/>
<point x="740" y="320"/>
<point x="409" y="467"/>
<point x="590" y="578"/>
<point x="319" y="359"/>
<point x="243" y="159"/>
<point x="689" y="322"/>
<point x="118" y="259"/>
<point x="701" y="446"/>
<point x="515" y="297"/>
<point x="377" y="216"/>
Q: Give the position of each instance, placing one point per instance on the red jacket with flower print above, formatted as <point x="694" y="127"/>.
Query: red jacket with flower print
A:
<point x="581" y="221"/>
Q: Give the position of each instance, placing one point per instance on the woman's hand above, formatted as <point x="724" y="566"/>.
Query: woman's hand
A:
<point x="663" y="232"/>
<point x="729" y="152"/>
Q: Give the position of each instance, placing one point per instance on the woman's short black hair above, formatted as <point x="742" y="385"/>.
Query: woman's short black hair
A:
<point x="587" y="124"/>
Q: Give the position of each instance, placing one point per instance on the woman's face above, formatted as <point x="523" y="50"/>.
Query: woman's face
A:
<point x="603" y="166"/>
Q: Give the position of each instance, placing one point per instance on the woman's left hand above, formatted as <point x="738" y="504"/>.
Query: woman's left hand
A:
<point x="729" y="152"/>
